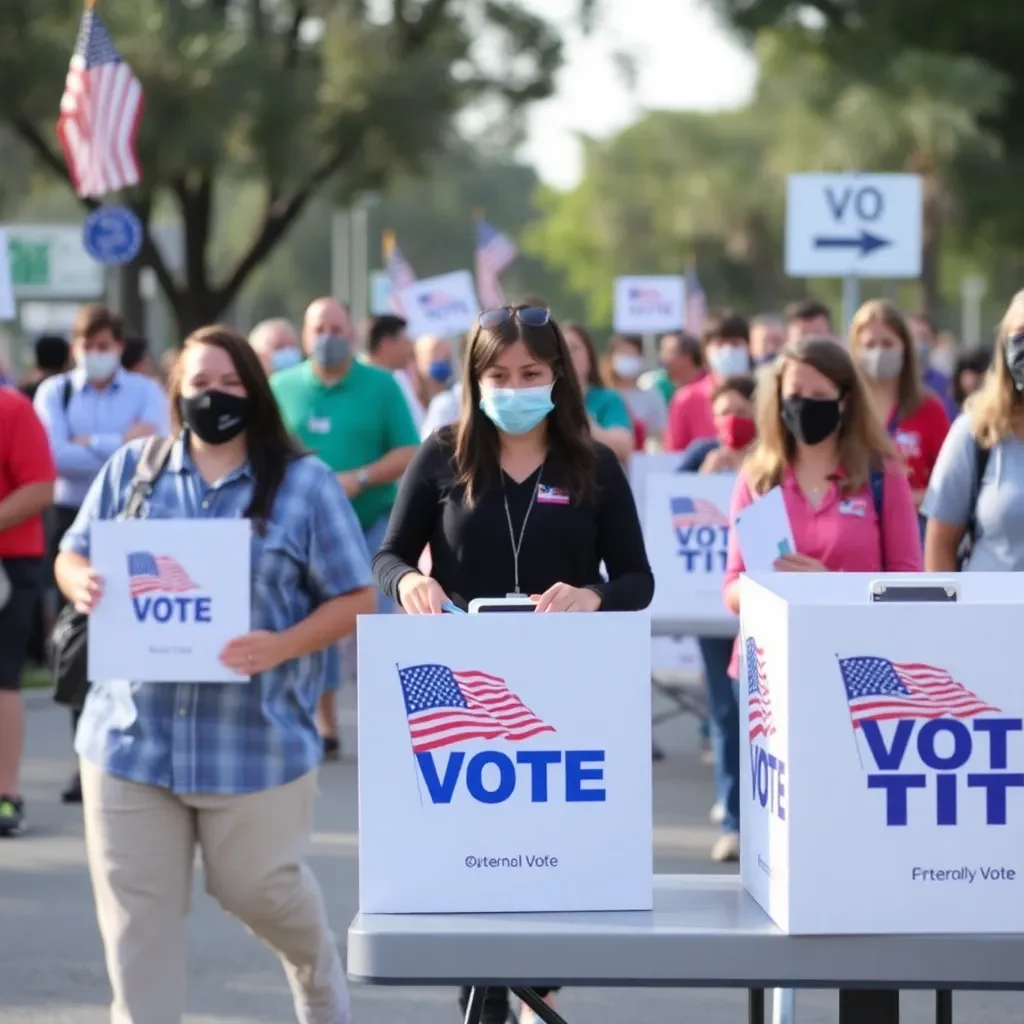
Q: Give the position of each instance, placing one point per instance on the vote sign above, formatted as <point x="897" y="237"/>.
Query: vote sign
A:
<point x="686" y="530"/>
<point x="883" y="776"/>
<point x="174" y="593"/>
<point x="854" y="225"/>
<point x="112" y="235"/>
<point x="504" y="766"/>
<point x="445" y="305"/>
<point x="648" y="305"/>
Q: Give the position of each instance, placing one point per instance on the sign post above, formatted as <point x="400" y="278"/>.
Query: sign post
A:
<point x="853" y="226"/>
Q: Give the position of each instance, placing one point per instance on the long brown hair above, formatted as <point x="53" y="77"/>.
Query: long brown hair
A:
<point x="594" y="373"/>
<point x="864" y="444"/>
<point x="993" y="405"/>
<point x="268" y="444"/>
<point x="571" y="455"/>
<point x="910" y="392"/>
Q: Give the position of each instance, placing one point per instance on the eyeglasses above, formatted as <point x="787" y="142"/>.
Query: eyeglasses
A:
<point x="528" y="316"/>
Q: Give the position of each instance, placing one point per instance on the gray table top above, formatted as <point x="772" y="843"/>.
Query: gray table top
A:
<point x="694" y="627"/>
<point x="704" y="931"/>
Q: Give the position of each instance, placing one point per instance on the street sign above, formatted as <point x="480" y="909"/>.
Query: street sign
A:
<point x="112" y="235"/>
<point x="49" y="261"/>
<point x="854" y="225"/>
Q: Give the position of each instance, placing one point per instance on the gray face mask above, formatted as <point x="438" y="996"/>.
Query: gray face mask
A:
<point x="331" y="350"/>
<point x="881" y="363"/>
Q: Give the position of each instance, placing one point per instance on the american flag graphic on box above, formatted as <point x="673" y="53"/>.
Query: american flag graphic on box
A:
<point x="446" y="706"/>
<point x="879" y="690"/>
<point x="150" y="574"/>
<point x="759" y="699"/>
<point x="687" y="512"/>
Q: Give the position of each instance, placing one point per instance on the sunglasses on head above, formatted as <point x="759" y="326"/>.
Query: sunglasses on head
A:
<point x="528" y="316"/>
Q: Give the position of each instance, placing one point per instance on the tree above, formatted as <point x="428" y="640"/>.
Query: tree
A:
<point x="298" y="96"/>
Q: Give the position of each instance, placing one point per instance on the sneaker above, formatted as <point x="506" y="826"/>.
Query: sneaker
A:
<point x="332" y="748"/>
<point x="12" y="816"/>
<point x="717" y="814"/>
<point x="727" y="848"/>
<point x="72" y="793"/>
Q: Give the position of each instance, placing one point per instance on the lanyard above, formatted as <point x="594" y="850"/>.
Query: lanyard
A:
<point x="518" y="544"/>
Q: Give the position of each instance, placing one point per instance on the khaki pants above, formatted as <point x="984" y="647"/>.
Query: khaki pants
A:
<point x="141" y="843"/>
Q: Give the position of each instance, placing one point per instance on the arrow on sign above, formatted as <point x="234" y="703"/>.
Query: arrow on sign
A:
<point x="867" y="243"/>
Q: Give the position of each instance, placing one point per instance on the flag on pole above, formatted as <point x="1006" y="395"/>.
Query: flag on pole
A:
<point x="696" y="303"/>
<point x="495" y="253"/>
<point x="99" y="115"/>
<point x="400" y="273"/>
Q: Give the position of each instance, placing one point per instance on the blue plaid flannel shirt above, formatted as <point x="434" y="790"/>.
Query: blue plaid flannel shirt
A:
<point x="228" y="738"/>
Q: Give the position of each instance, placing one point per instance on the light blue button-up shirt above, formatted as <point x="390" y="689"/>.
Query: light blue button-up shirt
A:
<point x="100" y="416"/>
<point x="228" y="737"/>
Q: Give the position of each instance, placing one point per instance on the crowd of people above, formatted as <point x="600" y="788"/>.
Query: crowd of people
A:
<point x="389" y="473"/>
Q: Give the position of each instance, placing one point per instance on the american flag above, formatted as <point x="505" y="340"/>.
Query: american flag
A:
<point x="148" y="574"/>
<point x="759" y="699"/>
<point x="687" y="512"/>
<point x="401" y="276"/>
<point x="696" y="309"/>
<point x="495" y="253"/>
<point x="878" y="690"/>
<point x="447" y="707"/>
<point x="99" y="114"/>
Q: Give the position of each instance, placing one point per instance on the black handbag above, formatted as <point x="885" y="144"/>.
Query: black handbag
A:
<point x="68" y="643"/>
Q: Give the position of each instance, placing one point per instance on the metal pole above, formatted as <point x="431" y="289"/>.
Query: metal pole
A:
<point x="851" y="302"/>
<point x="650" y="342"/>
<point x="972" y="291"/>
<point x="341" y="256"/>
<point x="360" y="262"/>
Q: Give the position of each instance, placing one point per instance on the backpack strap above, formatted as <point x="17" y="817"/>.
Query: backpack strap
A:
<point x="981" y="457"/>
<point x="877" y="481"/>
<point x="151" y="464"/>
<point x="69" y="390"/>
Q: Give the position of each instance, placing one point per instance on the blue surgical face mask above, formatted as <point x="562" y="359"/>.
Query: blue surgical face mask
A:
<point x="729" y="360"/>
<point x="331" y="350"/>
<point x="440" y="371"/>
<point x="100" y="366"/>
<point x="516" y="410"/>
<point x="285" y="359"/>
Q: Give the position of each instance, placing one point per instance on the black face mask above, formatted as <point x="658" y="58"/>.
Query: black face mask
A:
<point x="215" y="416"/>
<point x="811" y="420"/>
<point x="1015" y="359"/>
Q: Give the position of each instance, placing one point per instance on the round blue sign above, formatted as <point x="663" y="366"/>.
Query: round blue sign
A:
<point x="112" y="235"/>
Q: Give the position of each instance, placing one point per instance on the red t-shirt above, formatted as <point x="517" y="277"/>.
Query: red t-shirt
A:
<point x="24" y="459"/>
<point x="689" y="415"/>
<point x="919" y="437"/>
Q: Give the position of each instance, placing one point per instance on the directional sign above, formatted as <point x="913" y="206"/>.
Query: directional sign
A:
<point x="854" y="225"/>
<point x="112" y="235"/>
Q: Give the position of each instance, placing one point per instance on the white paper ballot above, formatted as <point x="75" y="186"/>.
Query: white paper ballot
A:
<point x="7" y="309"/>
<point x="763" y="532"/>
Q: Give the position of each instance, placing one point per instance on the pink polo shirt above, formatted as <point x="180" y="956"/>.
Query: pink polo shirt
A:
<point x="689" y="415"/>
<point x="842" y="533"/>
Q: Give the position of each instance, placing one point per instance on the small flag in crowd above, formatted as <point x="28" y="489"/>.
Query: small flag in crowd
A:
<point x="878" y="690"/>
<point x="495" y="253"/>
<point x="400" y="274"/>
<point x="759" y="701"/>
<point x="99" y="114"/>
<point x="446" y="707"/>
<point x="148" y="574"/>
<point x="696" y="304"/>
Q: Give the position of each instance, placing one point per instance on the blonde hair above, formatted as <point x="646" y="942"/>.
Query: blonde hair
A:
<point x="910" y="391"/>
<point x="992" y="406"/>
<point x="863" y="442"/>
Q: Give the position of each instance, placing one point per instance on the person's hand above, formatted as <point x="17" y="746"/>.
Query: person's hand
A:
<point x="86" y="589"/>
<point x="563" y="598"/>
<point x="139" y="429"/>
<point x="420" y="595"/>
<point x="794" y="562"/>
<point x="350" y="483"/>
<point x="254" y="652"/>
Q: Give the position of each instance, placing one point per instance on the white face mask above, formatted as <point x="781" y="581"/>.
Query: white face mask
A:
<point x="729" y="360"/>
<point x="627" y="366"/>
<point x="100" y="366"/>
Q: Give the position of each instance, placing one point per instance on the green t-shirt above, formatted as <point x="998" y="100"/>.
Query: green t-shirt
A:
<point x="349" y="425"/>
<point x="663" y="382"/>
<point x="607" y="409"/>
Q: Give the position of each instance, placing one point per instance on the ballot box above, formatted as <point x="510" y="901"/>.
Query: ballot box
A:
<point x="882" y="763"/>
<point x="505" y="763"/>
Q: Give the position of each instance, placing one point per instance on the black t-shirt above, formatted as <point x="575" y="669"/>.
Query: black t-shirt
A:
<point x="471" y="550"/>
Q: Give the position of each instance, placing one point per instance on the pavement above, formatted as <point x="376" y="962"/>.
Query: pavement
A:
<point x="51" y="961"/>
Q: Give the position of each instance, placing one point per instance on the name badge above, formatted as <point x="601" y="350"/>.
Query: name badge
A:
<point x="318" y="425"/>
<point x="853" y="507"/>
<point x="551" y="496"/>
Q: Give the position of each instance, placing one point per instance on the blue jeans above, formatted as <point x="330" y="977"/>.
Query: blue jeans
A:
<point x="724" y="713"/>
<point x="341" y="659"/>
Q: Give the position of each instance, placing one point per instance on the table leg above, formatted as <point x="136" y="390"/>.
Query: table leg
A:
<point x="755" y="1006"/>
<point x="475" y="1004"/>
<point x="539" y="1007"/>
<point x="944" y="1006"/>
<point x="869" y="1006"/>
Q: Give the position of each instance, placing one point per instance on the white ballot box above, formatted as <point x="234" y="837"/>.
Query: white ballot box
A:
<point x="504" y="763"/>
<point x="882" y="778"/>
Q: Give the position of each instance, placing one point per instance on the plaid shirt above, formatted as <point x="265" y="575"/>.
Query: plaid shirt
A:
<point x="228" y="738"/>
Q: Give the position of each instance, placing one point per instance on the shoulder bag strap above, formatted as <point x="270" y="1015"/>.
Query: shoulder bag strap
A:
<point x="981" y="457"/>
<point x="877" y="481"/>
<point x="68" y="391"/>
<point x="151" y="464"/>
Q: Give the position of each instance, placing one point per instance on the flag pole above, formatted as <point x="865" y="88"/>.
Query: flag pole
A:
<point x="478" y="213"/>
<point x="90" y="4"/>
<point x="387" y="243"/>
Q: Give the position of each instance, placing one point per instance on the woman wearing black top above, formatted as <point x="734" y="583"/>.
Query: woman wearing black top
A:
<point x="516" y="498"/>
